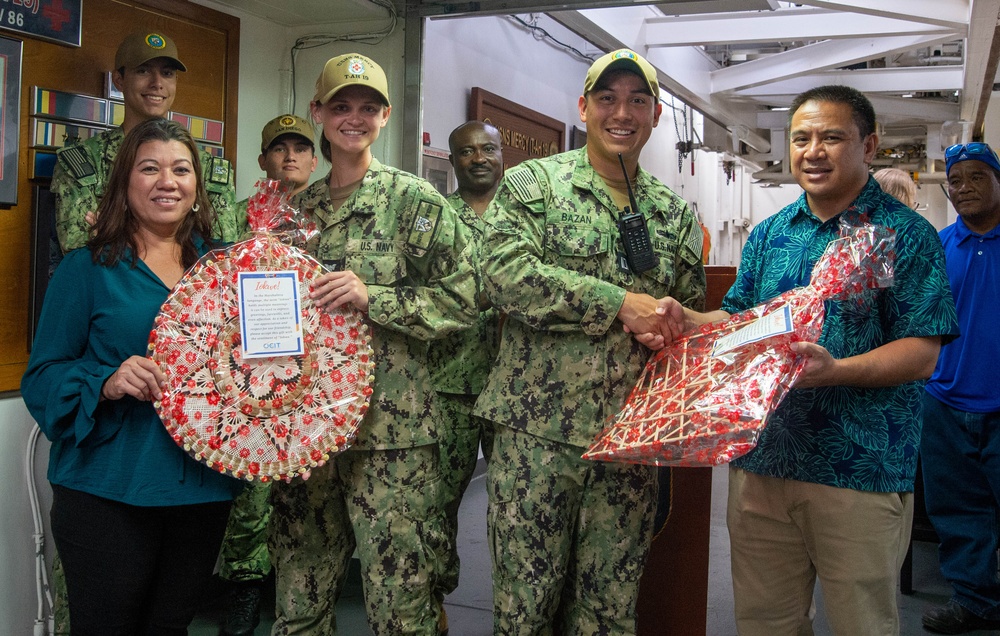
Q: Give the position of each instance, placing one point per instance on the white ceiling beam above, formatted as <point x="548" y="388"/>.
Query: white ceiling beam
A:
<point x="875" y="80"/>
<point x="780" y="26"/>
<point x="683" y="71"/>
<point x="623" y="29"/>
<point x="691" y="7"/>
<point x="888" y="109"/>
<point x="949" y="13"/>
<point x="900" y="108"/>
<point x="980" y="61"/>
<point x="815" y="57"/>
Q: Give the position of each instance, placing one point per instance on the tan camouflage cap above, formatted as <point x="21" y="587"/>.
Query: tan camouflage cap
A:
<point x="138" y="48"/>
<point x="622" y="58"/>
<point x="285" y="125"/>
<point x="348" y="70"/>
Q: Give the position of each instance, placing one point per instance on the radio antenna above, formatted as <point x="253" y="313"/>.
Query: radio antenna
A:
<point x="628" y="186"/>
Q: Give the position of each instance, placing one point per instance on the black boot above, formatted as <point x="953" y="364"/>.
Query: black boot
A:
<point x="244" y="609"/>
<point x="952" y="618"/>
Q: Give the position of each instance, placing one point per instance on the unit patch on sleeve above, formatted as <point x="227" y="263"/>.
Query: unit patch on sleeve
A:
<point x="424" y="224"/>
<point x="220" y="170"/>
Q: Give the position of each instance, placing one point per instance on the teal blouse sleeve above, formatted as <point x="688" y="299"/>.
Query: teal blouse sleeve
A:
<point x="62" y="384"/>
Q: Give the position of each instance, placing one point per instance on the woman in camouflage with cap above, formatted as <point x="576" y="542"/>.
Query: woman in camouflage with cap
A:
<point x="392" y="245"/>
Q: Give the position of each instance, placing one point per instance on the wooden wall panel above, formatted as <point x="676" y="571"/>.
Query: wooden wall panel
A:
<point x="208" y="43"/>
<point x="673" y="591"/>
<point x="525" y="133"/>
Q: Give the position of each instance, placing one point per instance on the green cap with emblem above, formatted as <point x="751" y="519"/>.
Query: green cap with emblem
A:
<point x="285" y="125"/>
<point x="352" y="69"/>
<point x="622" y="59"/>
<point x="138" y="48"/>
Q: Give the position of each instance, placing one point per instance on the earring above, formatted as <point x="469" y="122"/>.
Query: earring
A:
<point x="195" y="208"/>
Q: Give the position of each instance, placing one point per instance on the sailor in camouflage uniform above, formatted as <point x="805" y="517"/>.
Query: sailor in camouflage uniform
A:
<point x="146" y="66"/>
<point x="287" y="154"/>
<point x="569" y="537"/>
<point x="461" y="362"/>
<point x="392" y="245"/>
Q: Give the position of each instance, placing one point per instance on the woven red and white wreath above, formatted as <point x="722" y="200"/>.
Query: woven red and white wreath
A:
<point x="258" y="418"/>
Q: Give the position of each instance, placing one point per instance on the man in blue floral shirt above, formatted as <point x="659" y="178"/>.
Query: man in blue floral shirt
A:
<point x="827" y="492"/>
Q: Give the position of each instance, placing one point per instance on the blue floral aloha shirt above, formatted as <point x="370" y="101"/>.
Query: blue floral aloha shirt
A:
<point x="843" y="436"/>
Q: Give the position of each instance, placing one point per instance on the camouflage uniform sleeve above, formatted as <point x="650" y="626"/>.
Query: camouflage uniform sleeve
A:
<point x="220" y="184"/>
<point x="74" y="196"/>
<point x="243" y="227"/>
<point x="520" y="279"/>
<point x="435" y="296"/>
<point x="690" y="286"/>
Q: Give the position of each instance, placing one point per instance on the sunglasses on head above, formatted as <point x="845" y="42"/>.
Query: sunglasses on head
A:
<point x="970" y="149"/>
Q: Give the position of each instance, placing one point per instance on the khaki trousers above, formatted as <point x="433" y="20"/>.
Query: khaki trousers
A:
<point x="784" y="534"/>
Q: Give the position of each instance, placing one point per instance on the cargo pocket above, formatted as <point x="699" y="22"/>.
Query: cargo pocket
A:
<point x="500" y="485"/>
<point x="419" y="508"/>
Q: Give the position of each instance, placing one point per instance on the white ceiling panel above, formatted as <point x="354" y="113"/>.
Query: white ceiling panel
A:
<point x="927" y="64"/>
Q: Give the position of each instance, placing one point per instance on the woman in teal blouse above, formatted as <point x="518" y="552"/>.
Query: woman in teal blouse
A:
<point x="137" y="522"/>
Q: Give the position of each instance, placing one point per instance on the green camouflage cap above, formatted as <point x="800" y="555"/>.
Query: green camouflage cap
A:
<point x="348" y="70"/>
<point x="138" y="48"/>
<point x="622" y="59"/>
<point x="285" y="125"/>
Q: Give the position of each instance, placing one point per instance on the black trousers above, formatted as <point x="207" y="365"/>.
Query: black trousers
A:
<point x="133" y="570"/>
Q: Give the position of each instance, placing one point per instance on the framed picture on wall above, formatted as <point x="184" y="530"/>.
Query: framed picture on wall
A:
<point x="10" y="108"/>
<point x="436" y="168"/>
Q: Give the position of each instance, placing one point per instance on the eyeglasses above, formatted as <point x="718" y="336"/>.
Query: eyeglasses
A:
<point x="970" y="149"/>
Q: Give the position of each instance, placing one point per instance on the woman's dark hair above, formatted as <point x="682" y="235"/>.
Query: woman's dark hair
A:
<point x="116" y="226"/>
<point x="325" y="148"/>
<point x="861" y="107"/>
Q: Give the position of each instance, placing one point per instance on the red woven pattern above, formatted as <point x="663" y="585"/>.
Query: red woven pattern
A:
<point x="258" y="418"/>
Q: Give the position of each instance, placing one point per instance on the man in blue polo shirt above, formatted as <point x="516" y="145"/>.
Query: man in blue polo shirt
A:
<point x="828" y="492"/>
<point x="960" y="449"/>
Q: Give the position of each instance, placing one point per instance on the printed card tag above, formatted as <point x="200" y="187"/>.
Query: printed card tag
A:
<point x="773" y="324"/>
<point x="270" y="320"/>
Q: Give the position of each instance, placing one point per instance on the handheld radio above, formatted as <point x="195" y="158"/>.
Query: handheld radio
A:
<point x="634" y="233"/>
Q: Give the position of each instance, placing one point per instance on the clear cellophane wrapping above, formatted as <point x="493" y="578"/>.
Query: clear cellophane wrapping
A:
<point x="704" y="399"/>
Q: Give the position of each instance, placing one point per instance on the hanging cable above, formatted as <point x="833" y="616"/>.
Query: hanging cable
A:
<point x="44" y="622"/>
<point x="542" y="34"/>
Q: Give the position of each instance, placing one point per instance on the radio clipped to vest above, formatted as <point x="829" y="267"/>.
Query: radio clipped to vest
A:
<point x="634" y="233"/>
